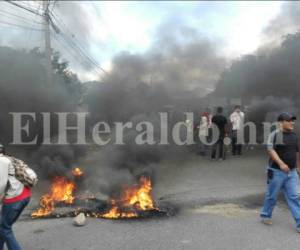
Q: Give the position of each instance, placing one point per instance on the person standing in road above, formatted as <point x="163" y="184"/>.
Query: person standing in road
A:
<point x="205" y="122"/>
<point x="15" y="197"/>
<point x="221" y="123"/>
<point x="237" y="122"/>
<point x="283" y="151"/>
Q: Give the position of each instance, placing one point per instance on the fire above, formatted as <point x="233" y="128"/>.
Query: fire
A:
<point x="77" y="172"/>
<point x="62" y="190"/>
<point x="133" y="199"/>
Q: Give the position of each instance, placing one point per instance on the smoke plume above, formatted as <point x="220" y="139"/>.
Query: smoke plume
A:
<point x="267" y="82"/>
<point x="170" y="77"/>
<point x="286" y="22"/>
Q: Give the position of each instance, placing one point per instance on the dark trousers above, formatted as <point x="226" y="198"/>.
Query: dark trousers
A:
<point x="9" y="215"/>
<point x="236" y="148"/>
<point x="218" y="145"/>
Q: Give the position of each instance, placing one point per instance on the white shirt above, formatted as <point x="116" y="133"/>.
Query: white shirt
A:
<point x="204" y="125"/>
<point x="210" y="120"/>
<point x="4" y="165"/>
<point x="7" y="173"/>
<point x="237" y="120"/>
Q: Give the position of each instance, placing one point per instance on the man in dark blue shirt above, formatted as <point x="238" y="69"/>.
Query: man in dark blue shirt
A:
<point x="284" y="163"/>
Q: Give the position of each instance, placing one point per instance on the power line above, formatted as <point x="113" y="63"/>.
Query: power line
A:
<point x="53" y="5"/>
<point x="71" y="37"/>
<point x="30" y="31"/>
<point x="20" y="26"/>
<point x="78" y="52"/>
<point x="49" y="68"/>
<point x="79" y="49"/>
<point x="62" y="44"/>
<point x="28" y="4"/>
<point x="75" y="43"/>
<point x="65" y="45"/>
<point x="69" y="40"/>
<point x="15" y="18"/>
<point x="24" y="8"/>
<point x="69" y="50"/>
<point x="20" y="17"/>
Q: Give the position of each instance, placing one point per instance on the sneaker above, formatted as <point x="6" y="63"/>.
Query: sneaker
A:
<point x="298" y="229"/>
<point x="267" y="221"/>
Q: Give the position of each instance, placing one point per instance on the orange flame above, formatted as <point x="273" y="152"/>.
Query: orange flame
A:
<point x="133" y="199"/>
<point x="77" y="172"/>
<point x="62" y="190"/>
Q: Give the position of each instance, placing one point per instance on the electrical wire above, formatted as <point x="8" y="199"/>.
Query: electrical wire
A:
<point x="24" y="8"/>
<point x="71" y="50"/>
<point x="8" y="14"/>
<point x="72" y="39"/>
<point x="30" y="31"/>
<point x="20" y="26"/>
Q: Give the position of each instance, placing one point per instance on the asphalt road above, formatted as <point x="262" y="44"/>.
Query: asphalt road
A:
<point x="218" y="205"/>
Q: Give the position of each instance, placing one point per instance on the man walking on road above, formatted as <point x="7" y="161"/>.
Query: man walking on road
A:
<point x="15" y="197"/>
<point x="284" y="162"/>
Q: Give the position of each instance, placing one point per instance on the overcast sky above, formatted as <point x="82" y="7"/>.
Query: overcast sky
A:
<point x="132" y="25"/>
<point x="106" y="28"/>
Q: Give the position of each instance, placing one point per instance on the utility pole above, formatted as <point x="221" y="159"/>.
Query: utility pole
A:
<point x="47" y="43"/>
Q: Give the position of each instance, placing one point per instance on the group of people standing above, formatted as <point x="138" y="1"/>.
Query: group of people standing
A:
<point x="208" y="126"/>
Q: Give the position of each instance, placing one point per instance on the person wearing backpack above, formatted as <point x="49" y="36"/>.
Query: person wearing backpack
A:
<point x="15" y="196"/>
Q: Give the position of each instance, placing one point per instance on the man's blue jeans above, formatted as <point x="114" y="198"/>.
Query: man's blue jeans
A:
<point x="289" y="184"/>
<point x="9" y="214"/>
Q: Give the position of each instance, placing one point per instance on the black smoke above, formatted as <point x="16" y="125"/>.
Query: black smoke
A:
<point x="286" y="22"/>
<point x="171" y="77"/>
<point x="267" y="82"/>
<point x="23" y="88"/>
